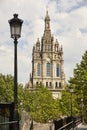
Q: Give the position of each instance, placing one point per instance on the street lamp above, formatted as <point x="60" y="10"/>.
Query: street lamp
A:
<point x="21" y="121"/>
<point x="82" y="105"/>
<point x="71" y="91"/>
<point x="15" y="29"/>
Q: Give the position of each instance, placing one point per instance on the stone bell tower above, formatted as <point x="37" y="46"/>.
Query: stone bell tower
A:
<point x="47" y="62"/>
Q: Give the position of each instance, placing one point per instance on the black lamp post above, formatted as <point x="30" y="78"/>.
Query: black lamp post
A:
<point x="71" y="91"/>
<point x="15" y="28"/>
<point x="82" y="105"/>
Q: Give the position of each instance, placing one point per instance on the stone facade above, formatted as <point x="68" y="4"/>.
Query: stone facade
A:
<point x="47" y="62"/>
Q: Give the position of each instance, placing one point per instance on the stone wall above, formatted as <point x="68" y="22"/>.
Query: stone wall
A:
<point x="25" y="121"/>
<point x="40" y="126"/>
<point x="27" y="124"/>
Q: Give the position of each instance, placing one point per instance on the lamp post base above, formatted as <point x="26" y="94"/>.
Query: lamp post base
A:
<point x="16" y="119"/>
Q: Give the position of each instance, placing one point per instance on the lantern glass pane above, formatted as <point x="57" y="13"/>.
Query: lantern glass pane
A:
<point x="15" y="31"/>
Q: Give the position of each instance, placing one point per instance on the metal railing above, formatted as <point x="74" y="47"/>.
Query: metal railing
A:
<point x="6" y="123"/>
<point x="67" y="123"/>
<point x="66" y="126"/>
<point x="6" y="116"/>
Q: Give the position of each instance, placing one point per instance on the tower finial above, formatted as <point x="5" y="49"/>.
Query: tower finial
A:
<point x="47" y="16"/>
<point x="47" y="10"/>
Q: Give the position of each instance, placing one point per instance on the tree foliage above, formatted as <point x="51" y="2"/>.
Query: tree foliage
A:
<point x="66" y="101"/>
<point x="6" y="88"/>
<point x="79" y="82"/>
<point x="39" y="103"/>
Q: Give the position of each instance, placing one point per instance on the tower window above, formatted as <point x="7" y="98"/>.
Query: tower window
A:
<point x="60" y="84"/>
<point x="48" y="69"/>
<point x="36" y="83"/>
<point x="50" y="84"/>
<point x="46" y="84"/>
<point x="38" y="69"/>
<point x="57" y="70"/>
<point x="56" y="84"/>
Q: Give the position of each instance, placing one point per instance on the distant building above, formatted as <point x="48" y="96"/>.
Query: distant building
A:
<point x="47" y="62"/>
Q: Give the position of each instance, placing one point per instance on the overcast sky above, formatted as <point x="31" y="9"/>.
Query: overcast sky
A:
<point x="68" y="25"/>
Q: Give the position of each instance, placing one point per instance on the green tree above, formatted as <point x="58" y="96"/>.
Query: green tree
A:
<point x="7" y="89"/>
<point x="79" y="82"/>
<point x="65" y="102"/>
<point x="41" y="105"/>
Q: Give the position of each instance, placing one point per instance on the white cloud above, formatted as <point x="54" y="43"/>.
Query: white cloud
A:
<point x="68" y="24"/>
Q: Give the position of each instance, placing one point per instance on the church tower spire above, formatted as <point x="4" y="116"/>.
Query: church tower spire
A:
<point x="47" y="21"/>
<point x="46" y="39"/>
<point x="47" y="62"/>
